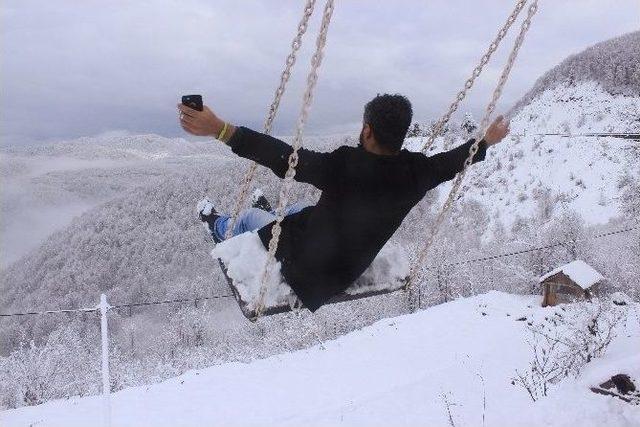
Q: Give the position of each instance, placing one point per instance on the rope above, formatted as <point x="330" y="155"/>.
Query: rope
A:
<point x="283" y="201"/>
<point x="533" y="8"/>
<point x="273" y="109"/>
<point x="460" y="96"/>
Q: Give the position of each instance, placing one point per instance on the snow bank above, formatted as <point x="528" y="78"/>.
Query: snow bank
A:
<point x="244" y="257"/>
<point x="579" y="271"/>
<point x="396" y="372"/>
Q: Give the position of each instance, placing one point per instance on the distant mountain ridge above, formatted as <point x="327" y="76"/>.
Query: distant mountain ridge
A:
<point x="119" y="147"/>
<point x="614" y="64"/>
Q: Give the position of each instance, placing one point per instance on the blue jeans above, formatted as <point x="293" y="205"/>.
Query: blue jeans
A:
<point x="252" y="219"/>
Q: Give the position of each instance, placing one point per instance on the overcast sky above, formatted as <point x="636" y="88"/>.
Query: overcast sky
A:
<point x="73" y="68"/>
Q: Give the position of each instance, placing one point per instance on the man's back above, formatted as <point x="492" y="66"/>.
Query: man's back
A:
<point x="365" y="197"/>
<point x="335" y="241"/>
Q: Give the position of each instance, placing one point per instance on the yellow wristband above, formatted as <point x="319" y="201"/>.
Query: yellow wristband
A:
<point x="223" y="131"/>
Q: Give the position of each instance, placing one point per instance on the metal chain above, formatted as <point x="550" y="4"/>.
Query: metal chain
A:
<point x="273" y="109"/>
<point x="460" y="96"/>
<point x="283" y="201"/>
<point x="533" y="8"/>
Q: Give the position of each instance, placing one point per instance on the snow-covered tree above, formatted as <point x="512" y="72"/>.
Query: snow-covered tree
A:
<point x="468" y="125"/>
<point x="415" y="130"/>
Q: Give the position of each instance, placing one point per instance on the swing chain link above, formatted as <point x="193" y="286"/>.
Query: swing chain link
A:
<point x="484" y="60"/>
<point x="283" y="201"/>
<point x="273" y="109"/>
<point x="473" y="150"/>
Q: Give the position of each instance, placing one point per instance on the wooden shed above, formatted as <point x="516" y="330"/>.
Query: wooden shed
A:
<point x="570" y="282"/>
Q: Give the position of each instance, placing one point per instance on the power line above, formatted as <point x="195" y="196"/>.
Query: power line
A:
<point x="539" y="248"/>
<point x="69" y="310"/>
<point x="452" y="264"/>
<point x="135" y="304"/>
<point x="621" y="135"/>
<point x="173" y="301"/>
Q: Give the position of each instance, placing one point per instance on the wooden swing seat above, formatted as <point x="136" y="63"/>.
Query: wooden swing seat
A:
<point x="387" y="273"/>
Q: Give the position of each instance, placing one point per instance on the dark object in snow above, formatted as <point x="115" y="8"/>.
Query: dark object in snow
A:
<point x="521" y="319"/>
<point x="260" y="201"/>
<point x="252" y="315"/>
<point x="620" y="298"/>
<point x="623" y="383"/>
<point x="619" y="386"/>
<point x="570" y="282"/>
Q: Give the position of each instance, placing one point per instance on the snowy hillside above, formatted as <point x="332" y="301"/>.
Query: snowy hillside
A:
<point x="132" y="226"/>
<point x="596" y="90"/>
<point x="403" y="371"/>
<point x="68" y="178"/>
<point x="579" y="173"/>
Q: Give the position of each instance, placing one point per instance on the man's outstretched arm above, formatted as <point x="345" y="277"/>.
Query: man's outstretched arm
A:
<point x="444" y="166"/>
<point x="312" y="168"/>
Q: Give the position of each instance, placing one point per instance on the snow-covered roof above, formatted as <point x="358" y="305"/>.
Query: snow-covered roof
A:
<point x="579" y="271"/>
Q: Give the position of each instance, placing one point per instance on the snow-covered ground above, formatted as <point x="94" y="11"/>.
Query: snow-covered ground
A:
<point x="403" y="371"/>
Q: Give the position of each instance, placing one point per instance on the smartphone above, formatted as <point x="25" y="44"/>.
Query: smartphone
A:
<point x="193" y="101"/>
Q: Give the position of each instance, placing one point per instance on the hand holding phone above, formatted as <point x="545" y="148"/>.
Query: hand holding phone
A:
<point x="202" y="121"/>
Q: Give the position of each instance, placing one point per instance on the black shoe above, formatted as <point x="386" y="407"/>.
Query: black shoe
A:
<point x="208" y="215"/>
<point x="258" y="200"/>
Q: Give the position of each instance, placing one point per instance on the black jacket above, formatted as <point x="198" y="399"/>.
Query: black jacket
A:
<point x="364" y="199"/>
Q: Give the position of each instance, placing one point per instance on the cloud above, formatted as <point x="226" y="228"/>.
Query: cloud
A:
<point x="79" y="68"/>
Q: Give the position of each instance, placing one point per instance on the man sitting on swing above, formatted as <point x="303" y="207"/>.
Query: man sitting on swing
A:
<point x="367" y="191"/>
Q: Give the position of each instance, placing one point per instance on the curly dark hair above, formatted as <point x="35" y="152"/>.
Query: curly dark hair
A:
<point x="389" y="117"/>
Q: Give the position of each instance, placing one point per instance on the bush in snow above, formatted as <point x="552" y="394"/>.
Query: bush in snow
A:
<point x="468" y="125"/>
<point x="569" y="339"/>
<point x="65" y="365"/>
<point x="630" y="197"/>
<point x="415" y="130"/>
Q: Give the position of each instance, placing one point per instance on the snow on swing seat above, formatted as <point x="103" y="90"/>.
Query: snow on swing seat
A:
<point x="243" y="257"/>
